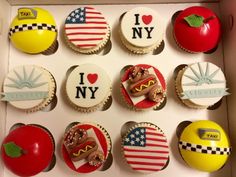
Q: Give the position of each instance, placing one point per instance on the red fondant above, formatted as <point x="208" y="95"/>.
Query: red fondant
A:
<point x="147" y="19"/>
<point x="92" y="78"/>
<point x="146" y="103"/>
<point x="38" y="150"/>
<point x="86" y="168"/>
<point x="197" y="39"/>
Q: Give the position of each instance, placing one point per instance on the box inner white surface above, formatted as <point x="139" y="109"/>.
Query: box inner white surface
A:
<point x="167" y="119"/>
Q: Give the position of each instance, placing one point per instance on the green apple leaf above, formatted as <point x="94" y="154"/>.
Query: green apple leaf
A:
<point x="194" y="20"/>
<point x="12" y="150"/>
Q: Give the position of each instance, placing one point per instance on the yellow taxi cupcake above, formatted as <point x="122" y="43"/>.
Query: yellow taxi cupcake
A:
<point x="34" y="31"/>
<point x="204" y="146"/>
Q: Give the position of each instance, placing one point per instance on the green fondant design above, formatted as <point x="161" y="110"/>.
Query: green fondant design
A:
<point x="200" y="77"/>
<point x="23" y="96"/>
<point x="12" y="150"/>
<point x="25" y="81"/>
<point x="194" y="20"/>
<point x="204" y="93"/>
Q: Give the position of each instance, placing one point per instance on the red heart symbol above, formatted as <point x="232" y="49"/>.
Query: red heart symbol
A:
<point x="92" y="78"/>
<point x="147" y="19"/>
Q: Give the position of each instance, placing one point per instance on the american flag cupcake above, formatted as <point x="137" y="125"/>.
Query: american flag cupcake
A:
<point x="145" y="148"/>
<point x="86" y="30"/>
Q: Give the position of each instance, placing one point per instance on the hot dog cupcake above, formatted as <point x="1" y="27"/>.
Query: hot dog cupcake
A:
<point x="86" y="147"/>
<point x="143" y="86"/>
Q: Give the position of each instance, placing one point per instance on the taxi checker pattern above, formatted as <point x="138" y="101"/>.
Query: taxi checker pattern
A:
<point x="204" y="149"/>
<point x="33" y="26"/>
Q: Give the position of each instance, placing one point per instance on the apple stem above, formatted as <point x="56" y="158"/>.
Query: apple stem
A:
<point x="24" y="152"/>
<point x="208" y="19"/>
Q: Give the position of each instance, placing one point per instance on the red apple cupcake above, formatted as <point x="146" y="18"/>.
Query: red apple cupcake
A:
<point x="86" y="147"/>
<point x="142" y="87"/>
<point x="28" y="150"/>
<point x="197" y="29"/>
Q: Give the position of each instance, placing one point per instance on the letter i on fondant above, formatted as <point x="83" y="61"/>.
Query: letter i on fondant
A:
<point x="88" y="87"/>
<point x="141" y="30"/>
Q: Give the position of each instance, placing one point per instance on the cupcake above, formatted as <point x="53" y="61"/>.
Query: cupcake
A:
<point x="197" y="29"/>
<point x="86" y="30"/>
<point x="142" y="87"/>
<point x="141" y="30"/>
<point x="29" y="88"/>
<point x="28" y="150"/>
<point x="204" y="141"/>
<point x="200" y="85"/>
<point x="88" y="87"/>
<point x="86" y="147"/>
<point x="34" y="31"/>
<point x="145" y="148"/>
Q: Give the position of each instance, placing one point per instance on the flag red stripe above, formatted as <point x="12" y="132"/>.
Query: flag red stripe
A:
<point x="89" y="8"/>
<point x="146" y="169"/>
<point x="146" y="157"/>
<point x="84" y="33"/>
<point x="156" y="139"/>
<point x="149" y="128"/>
<point x="145" y="163"/>
<point x="95" y="22"/>
<point x="95" y="18"/>
<point x="91" y="27"/>
<point x="157" y="145"/>
<point x="151" y="133"/>
<point x="90" y="12"/>
<point x="87" y="39"/>
<point x="87" y="45"/>
<point x="137" y="150"/>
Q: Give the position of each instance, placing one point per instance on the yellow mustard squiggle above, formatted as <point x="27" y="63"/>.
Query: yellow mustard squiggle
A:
<point x="82" y="150"/>
<point x="142" y="86"/>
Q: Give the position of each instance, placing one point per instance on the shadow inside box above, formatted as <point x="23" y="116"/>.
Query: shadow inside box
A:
<point x="171" y="91"/>
<point x="175" y="150"/>
<point x="63" y="93"/>
<point x="61" y="163"/>
<point x="219" y="114"/>
<point x="116" y="93"/>
<point x="171" y="40"/>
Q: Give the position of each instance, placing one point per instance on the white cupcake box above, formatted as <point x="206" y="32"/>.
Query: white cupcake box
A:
<point x="112" y="119"/>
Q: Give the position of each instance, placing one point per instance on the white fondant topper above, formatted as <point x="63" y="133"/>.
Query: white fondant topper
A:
<point x="27" y="86"/>
<point x="88" y="85"/>
<point x="142" y="27"/>
<point x="203" y="84"/>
